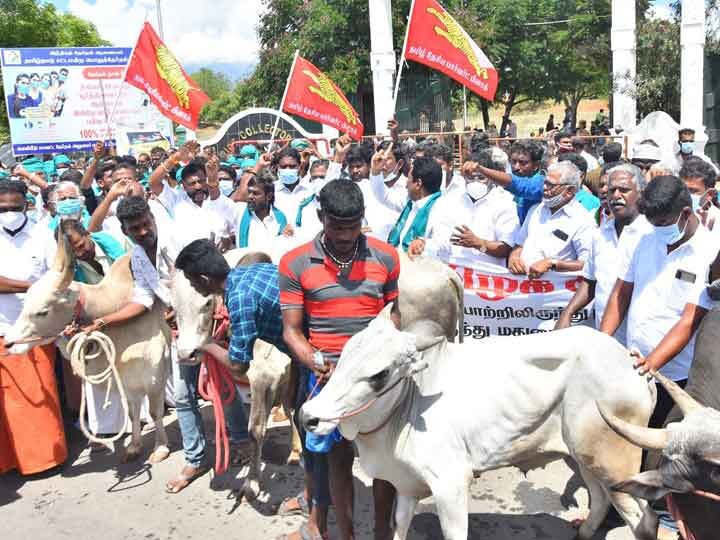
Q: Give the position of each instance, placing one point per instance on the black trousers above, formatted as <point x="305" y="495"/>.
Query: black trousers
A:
<point x="664" y="405"/>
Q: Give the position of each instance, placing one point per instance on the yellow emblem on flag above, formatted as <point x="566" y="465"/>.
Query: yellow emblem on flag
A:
<point x="169" y="70"/>
<point x="326" y="90"/>
<point x="458" y="39"/>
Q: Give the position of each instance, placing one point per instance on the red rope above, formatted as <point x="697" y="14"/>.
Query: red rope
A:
<point x="216" y="384"/>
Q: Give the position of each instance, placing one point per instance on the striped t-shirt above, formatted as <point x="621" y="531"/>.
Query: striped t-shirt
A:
<point x="337" y="306"/>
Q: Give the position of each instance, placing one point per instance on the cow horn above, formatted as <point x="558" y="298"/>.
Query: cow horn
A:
<point x="683" y="400"/>
<point x="644" y="437"/>
<point x="385" y="313"/>
<point x="425" y="342"/>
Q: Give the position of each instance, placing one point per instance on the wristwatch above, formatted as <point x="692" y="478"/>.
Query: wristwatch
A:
<point x="482" y="248"/>
<point x="553" y="265"/>
<point x="101" y="323"/>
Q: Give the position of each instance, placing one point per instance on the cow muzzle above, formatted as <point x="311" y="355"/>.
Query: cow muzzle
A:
<point x="316" y="425"/>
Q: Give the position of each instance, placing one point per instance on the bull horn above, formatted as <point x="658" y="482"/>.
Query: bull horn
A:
<point x="644" y="437"/>
<point x="385" y="313"/>
<point x="685" y="401"/>
<point x="425" y="342"/>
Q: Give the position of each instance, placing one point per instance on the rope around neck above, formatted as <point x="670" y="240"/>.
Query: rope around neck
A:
<point x="79" y="347"/>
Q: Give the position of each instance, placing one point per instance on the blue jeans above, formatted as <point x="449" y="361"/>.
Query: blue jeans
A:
<point x="190" y="421"/>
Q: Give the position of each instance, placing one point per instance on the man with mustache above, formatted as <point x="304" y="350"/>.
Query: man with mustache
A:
<point x="199" y="210"/>
<point x="622" y="231"/>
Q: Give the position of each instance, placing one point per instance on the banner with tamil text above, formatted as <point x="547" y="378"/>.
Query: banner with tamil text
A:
<point x="498" y="303"/>
<point x="59" y="99"/>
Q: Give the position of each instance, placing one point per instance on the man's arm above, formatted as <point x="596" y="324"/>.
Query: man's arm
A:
<point x="30" y="178"/>
<point x="584" y="294"/>
<point x="100" y="213"/>
<point x="617" y="307"/>
<point x="500" y="178"/>
<point x="12" y="286"/>
<point x="674" y="341"/>
<point x="89" y="175"/>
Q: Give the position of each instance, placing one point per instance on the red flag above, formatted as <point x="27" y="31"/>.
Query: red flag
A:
<point x="435" y="39"/>
<point x="154" y="70"/>
<point x="311" y="94"/>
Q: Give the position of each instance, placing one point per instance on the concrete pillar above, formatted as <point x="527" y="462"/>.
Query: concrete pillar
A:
<point x="622" y="42"/>
<point x="382" y="61"/>
<point x="692" y="42"/>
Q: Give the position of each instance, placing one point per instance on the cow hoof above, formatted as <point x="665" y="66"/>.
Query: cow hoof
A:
<point x="294" y="458"/>
<point x="130" y="455"/>
<point x="159" y="454"/>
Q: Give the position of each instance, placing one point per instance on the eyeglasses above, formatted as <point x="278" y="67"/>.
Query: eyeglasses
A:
<point x="551" y="185"/>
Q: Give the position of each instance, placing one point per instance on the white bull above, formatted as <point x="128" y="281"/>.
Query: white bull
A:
<point x="428" y="415"/>
<point x="142" y="344"/>
<point x="268" y="373"/>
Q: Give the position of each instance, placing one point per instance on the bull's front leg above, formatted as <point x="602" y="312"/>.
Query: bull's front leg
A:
<point x="132" y="452"/>
<point x="157" y="408"/>
<point x="260" y="404"/>
<point x="450" y="489"/>
<point x="295" y="444"/>
<point x="404" y="513"/>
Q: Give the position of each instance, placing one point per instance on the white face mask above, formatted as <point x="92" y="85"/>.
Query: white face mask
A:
<point x="477" y="190"/>
<point x="12" y="221"/>
<point x="318" y="184"/>
<point x="552" y="202"/>
<point x="288" y="176"/>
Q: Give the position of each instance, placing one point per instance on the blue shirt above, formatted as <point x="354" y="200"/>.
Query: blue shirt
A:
<point x="588" y="200"/>
<point x="252" y="298"/>
<point x="528" y="191"/>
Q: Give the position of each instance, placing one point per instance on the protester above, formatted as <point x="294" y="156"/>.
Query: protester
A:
<point x="290" y="190"/>
<point x="451" y="181"/>
<point x="32" y="438"/>
<point x="685" y="150"/>
<point x="340" y="257"/>
<point x="479" y="224"/>
<point x="616" y="237"/>
<point x="557" y="233"/>
<point x="260" y="221"/>
<point x="700" y="177"/>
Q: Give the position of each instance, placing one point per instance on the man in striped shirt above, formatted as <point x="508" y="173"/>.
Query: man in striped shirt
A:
<point x="334" y="286"/>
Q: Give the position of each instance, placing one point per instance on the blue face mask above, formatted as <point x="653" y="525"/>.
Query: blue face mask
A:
<point x="35" y="84"/>
<point x="670" y="234"/>
<point x="226" y="187"/>
<point x="69" y="207"/>
<point x="687" y="147"/>
<point x="23" y="88"/>
<point x="45" y="85"/>
<point x="62" y="78"/>
<point x="288" y="176"/>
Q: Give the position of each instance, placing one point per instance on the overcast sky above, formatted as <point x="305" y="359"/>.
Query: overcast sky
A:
<point x="222" y="37"/>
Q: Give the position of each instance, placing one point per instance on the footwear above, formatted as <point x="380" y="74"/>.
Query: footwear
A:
<point x="187" y="476"/>
<point x="295" y="506"/>
<point x="303" y="533"/>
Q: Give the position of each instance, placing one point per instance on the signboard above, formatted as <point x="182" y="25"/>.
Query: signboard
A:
<point x="498" y="303"/>
<point x="256" y="126"/>
<point x="60" y="99"/>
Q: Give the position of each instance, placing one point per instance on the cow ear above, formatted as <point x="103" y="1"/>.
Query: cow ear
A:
<point x="647" y="485"/>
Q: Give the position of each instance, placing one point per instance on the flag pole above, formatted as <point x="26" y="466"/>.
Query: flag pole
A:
<point x="122" y="83"/>
<point x="282" y="102"/>
<point x="402" y="56"/>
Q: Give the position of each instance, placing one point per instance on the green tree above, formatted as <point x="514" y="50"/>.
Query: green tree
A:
<point x="657" y="84"/>
<point x="213" y="83"/>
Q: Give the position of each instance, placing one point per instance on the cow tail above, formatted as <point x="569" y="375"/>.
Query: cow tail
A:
<point x="459" y="287"/>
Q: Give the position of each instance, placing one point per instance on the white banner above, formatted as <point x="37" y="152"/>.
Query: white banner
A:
<point x="498" y="303"/>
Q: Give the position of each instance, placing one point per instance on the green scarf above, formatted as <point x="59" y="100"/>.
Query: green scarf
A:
<point x="419" y="224"/>
<point x="244" y="229"/>
<point x="298" y="218"/>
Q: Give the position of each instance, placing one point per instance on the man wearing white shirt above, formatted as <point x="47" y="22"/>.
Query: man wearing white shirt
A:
<point x="451" y="182"/>
<point x="261" y="225"/>
<point x="291" y="190"/>
<point x="661" y="287"/>
<point x="615" y="239"/>
<point x="416" y="228"/>
<point x="307" y="224"/>
<point x="477" y="225"/>
<point x="199" y="209"/>
<point x="557" y="232"/>
<point x="686" y="150"/>
<point x="699" y="177"/>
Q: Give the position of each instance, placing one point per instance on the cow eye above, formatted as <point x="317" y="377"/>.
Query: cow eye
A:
<point x="42" y="313"/>
<point x="379" y="378"/>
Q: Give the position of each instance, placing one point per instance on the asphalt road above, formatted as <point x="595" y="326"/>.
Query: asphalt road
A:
<point x="95" y="497"/>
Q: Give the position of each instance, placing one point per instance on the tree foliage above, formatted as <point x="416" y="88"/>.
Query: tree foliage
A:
<point x="214" y="83"/>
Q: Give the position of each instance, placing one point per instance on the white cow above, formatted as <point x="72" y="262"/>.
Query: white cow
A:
<point x="142" y="344"/>
<point x="428" y="415"/>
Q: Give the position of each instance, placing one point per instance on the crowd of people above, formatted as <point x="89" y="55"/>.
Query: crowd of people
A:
<point x="639" y="226"/>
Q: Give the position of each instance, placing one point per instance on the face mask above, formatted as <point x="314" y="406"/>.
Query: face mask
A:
<point x="476" y="190"/>
<point x="317" y="185"/>
<point x="62" y="78"/>
<point x="69" y="207"/>
<point x="552" y="202"/>
<point x="35" y="84"/>
<point x="226" y="187"/>
<point x="670" y="234"/>
<point x="23" y="88"/>
<point x="687" y="147"/>
<point x="696" y="201"/>
<point x="12" y="221"/>
<point x="45" y="85"/>
<point x="288" y="176"/>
